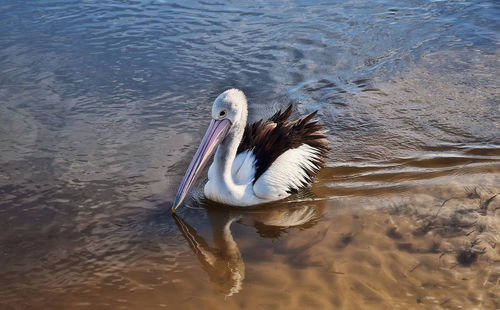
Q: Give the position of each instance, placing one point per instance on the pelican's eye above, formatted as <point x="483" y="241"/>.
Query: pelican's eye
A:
<point x="222" y="114"/>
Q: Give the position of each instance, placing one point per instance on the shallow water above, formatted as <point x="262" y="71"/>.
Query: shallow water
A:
<point x="102" y="105"/>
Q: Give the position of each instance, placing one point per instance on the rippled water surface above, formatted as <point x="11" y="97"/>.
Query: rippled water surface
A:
<point x="103" y="103"/>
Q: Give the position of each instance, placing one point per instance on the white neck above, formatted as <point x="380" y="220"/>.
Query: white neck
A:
<point x="224" y="158"/>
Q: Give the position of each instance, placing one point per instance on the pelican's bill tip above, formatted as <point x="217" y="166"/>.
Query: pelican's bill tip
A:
<point x="174" y="207"/>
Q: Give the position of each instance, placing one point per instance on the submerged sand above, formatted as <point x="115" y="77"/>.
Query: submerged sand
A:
<point x="431" y="246"/>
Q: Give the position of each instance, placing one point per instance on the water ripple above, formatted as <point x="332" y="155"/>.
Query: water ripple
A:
<point x="102" y="103"/>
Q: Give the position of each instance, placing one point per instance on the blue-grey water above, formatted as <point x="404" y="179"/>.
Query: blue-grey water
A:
<point x="102" y="104"/>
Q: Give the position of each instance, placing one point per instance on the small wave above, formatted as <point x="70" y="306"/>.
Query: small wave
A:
<point x="351" y="178"/>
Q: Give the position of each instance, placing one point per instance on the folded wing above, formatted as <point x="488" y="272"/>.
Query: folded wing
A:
<point x="286" y="154"/>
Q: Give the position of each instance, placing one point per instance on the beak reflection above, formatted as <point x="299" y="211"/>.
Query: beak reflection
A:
<point x="223" y="261"/>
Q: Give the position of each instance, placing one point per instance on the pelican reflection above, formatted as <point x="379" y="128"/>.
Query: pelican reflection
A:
<point x="223" y="261"/>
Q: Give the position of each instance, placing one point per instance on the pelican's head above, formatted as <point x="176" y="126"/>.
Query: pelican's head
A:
<point x="229" y="110"/>
<point x="230" y="105"/>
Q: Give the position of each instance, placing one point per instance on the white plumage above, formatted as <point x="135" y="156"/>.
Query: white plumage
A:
<point x="286" y="173"/>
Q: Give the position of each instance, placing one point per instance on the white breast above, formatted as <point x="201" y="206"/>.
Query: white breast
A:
<point x="243" y="169"/>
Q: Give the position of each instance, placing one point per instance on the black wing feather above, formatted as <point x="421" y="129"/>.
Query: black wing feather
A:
<point x="269" y="139"/>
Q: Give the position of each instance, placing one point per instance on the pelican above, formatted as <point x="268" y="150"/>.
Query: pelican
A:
<point x="254" y="163"/>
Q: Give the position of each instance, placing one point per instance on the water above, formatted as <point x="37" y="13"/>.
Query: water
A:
<point x="102" y="104"/>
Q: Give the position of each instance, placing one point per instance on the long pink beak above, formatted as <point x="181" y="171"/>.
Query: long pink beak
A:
<point x="215" y="134"/>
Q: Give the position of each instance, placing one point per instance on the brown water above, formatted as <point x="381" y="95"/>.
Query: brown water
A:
<point x="102" y="106"/>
